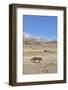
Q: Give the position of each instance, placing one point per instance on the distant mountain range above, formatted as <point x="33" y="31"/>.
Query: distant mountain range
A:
<point x="36" y="39"/>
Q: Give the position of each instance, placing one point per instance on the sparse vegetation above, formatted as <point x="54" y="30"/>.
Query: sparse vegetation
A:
<point x="40" y="57"/>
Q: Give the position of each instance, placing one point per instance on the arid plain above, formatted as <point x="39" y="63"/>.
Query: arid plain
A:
<point x="47" y="51"/>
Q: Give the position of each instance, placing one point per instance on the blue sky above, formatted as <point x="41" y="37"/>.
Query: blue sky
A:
<point x="41" y="26"/>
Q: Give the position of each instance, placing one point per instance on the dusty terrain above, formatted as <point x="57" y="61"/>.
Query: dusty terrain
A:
<point x="34" y="48"/>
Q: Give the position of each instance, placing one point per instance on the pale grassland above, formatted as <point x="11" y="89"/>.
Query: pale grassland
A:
<point x="48" y="63"/>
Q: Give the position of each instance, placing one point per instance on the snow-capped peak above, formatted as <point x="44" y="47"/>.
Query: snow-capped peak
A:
<point x="27" y="35"/>
<point x="34" y="38"/>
